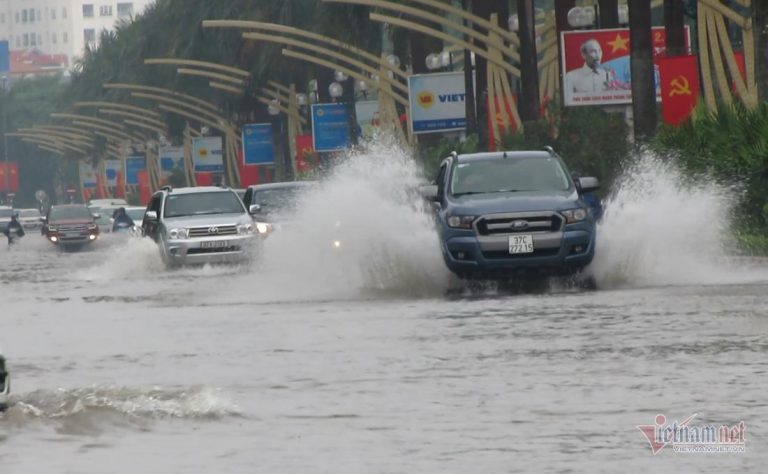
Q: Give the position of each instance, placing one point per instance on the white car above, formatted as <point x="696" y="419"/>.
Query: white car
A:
<point x="30" y="219"/>
<point x="5" y="217"/>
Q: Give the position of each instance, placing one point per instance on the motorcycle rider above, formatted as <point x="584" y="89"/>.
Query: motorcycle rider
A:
<point x="121" y="220"/>
<point x="14" y="229"/>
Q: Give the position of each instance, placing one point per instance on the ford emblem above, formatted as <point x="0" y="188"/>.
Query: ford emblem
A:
<point x="519" y="225"/>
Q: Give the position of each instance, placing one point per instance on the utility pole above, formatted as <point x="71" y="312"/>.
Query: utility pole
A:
<point x="5" y="136"/>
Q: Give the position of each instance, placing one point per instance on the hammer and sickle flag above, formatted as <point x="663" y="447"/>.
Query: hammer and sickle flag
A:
<point x="679" y="77"/>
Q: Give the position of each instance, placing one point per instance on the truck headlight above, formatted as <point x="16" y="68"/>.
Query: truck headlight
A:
<point x="178" y="234"/>
<point x="461" y="222"/>
<point x="574" y="215"/>
<point x="245" y="229"/>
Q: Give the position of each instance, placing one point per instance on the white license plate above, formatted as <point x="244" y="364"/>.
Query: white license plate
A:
<point x="215" y="244"/>
<point x="521" y="243"/>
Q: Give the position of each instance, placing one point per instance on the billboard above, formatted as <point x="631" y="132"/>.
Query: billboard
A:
<point x="170" y="159"/>
<point x="367" y="114"/>
<point x="257" y="144"/>
<point x="437" y="102"/>
<point x="87" y="175"/>
<point x="596" y="65"/>
<point x="207" y="154"/>
<point x="330" y="127"/>
<point x="112" y="169"/>
<point x="133" y="165"/>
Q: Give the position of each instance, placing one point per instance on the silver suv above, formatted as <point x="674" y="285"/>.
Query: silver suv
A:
<point x="205" y="224"/>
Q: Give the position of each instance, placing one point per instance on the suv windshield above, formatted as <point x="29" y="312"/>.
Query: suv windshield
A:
<point x="29" y="213"/>
<point x="70" y="213"/>
<point x="6" y="212"/>
<point x="135" y="214"/>
<point x="195" y="204"/>
<point x="277" y="200"/>
<point x="509" y="175"/>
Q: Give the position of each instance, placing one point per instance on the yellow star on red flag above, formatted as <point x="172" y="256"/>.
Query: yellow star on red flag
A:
<point x="618" y="44"/>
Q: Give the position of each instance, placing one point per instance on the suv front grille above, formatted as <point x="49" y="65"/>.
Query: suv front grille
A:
<point x="212" y="231"/>
<point x="522" y="223"/>
<point x="72" y="228"/>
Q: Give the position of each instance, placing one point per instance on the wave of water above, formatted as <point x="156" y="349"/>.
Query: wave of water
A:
<point x="663" y="228"/>
<point x="199" y="402"/>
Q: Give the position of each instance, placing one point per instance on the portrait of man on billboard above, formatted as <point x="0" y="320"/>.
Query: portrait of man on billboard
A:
<point x="591" y="76"/>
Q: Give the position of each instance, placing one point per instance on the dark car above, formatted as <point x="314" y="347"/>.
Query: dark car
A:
<point x="505" y="213"/>
<point x="275" y="199"/>
<point x="70" y="225"/>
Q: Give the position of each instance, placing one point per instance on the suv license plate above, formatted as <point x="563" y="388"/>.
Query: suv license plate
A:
<point x="521" y="243"/>
<point x="214" y="244"/>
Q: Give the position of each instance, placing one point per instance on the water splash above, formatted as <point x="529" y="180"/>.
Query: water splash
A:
<point x="662" y="228"/>
<point x="152" y="403"/>
<point x="383" y="233"/>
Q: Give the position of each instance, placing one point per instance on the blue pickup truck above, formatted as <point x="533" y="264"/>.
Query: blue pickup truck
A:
<point x="506" y="213"/>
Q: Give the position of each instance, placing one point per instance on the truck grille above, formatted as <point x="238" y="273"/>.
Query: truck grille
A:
<point x="212" y="231"/>
<point x="520" y="223"/>
<point x="72" y="228"/>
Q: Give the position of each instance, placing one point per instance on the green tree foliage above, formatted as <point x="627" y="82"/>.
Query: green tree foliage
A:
<point x="730" y="146"/>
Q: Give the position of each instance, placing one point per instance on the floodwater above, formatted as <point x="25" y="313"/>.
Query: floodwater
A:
<point x="371" y="359"/>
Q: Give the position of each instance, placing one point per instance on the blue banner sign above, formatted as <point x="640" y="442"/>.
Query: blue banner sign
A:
<point x="134" y="164"/>
<point x="437" y="102"/>
<point x="5" y="61"/>
<point x="330" y="127"/>
<point x="257" y="144"/>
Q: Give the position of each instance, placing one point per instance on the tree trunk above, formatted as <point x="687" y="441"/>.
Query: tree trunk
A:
<point x="561" y="24"/>
<point x="761" y="42"/>
<point x="484" y="9"/>
<point x="641" y="68"/>
<point x="609" y="13"/>
<point x="529" y="67"/>
<point x="674" y="26"/>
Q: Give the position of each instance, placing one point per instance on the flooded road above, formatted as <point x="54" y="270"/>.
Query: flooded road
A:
<point x="372" y="359"/>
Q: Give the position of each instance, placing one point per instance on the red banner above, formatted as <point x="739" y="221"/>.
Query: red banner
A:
<point x="9" y="172"/>
<point x="508" y="102"/>
<point x="204" y="179"/>
<point x="120" y="185"/>
<point x="145" y="193"/>
<point x="304" y="153"/>
<point x="679" y="77"/>
<point x="249" y="174"/>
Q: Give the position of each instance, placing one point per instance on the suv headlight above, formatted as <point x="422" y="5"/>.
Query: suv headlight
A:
<point x="178" y="234"/>
<point x="263" y="228"/>
<point x="245" y="229"/>
<point x="461" y="222"/>
<point x="574" y="215"/>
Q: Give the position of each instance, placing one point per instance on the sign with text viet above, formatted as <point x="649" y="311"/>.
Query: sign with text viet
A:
<point x="171" y="159"/>
<point x="5" y="61"/>
<point x="87" y="175"/>
<point x="437" y="102"/>
<point x="207" y="154"/>
<point x="133" y="165"/>
<point x="330" y="127"/>
<point x="596" y="65"/>
<point x="257" y="144"/>
<point x="112" y="169"/>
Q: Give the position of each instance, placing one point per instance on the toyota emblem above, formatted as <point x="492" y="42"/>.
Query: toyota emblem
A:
<point x="213" y="230"/>
<point x="519" y="225"/>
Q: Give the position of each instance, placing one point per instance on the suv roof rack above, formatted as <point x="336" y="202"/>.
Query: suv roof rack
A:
<point x="550" y="150"/>
<point x="166" y="188"/>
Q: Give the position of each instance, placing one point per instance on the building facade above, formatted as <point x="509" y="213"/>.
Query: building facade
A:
<point x="62" y="27"/>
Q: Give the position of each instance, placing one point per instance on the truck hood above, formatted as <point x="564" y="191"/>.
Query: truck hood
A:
<point x="493" y="203"/>
<point x="71" y="222"/>
<point x="208" y="220"/>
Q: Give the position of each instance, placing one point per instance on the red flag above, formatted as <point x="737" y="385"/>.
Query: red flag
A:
<point x="679" y="78"/>
<point x="304" y="152"/>
<point x="204" y="179"/>
<point x="249" y="174"/>
<point x="120" y="185"/>
<point x="506" y="103"/>
<point x="739" y="56"/>
<point x="145" y="193"/>
<point x="9" y="174"/>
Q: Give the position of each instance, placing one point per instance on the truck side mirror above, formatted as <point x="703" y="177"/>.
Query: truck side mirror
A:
<point x="429" y="192"/>
<point x="587" y="184"/>
<point x="150" y="216"/>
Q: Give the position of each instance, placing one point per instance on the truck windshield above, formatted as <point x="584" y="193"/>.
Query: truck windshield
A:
<point x="195" y="204"/>
<point x="509" y="175"/>
<point x="70" y="212"/>
<point x="278" y="200"/>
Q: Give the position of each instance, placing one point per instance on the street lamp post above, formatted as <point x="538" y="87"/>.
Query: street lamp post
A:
<point x="5" y="137"/>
